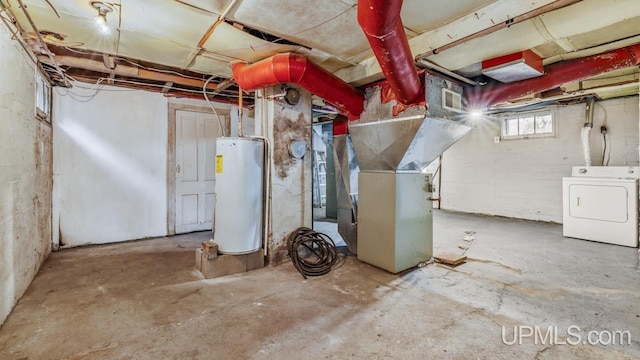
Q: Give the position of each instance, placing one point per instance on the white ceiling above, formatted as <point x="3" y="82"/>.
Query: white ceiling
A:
<point x="167" y="32"/>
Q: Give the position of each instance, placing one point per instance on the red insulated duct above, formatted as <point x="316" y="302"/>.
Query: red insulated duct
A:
<point x="555" y="75"/>
<point x="381" y="23"/>
<point x="297" y="69"/>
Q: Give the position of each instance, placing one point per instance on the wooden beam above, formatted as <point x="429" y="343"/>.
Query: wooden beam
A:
<point x="127" y="71"/>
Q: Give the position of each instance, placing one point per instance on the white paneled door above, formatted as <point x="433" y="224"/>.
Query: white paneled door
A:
<point x="196" y="135"/>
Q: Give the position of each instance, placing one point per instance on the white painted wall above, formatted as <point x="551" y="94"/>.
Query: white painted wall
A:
<point x="110" y="165"/>
<point x="523" y="178"/>
<point x="25" y="176"/>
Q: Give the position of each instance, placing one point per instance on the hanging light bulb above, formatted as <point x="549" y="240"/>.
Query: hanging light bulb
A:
<point x="101" y="23"/>
<point x="101" y="20"/>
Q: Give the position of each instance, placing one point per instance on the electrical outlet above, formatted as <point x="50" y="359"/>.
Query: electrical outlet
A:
<point x="496" y="139"/>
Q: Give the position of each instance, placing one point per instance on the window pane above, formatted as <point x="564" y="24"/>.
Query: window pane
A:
<point x="544" y="124"/>
<point x="510" y="127"/>
<point x="527" y="125"/>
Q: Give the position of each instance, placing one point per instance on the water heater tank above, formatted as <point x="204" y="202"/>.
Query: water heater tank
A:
<point x="239" y="195"/>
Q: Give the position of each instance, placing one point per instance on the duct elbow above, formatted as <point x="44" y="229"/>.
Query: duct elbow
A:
<point x="297" y="69"/>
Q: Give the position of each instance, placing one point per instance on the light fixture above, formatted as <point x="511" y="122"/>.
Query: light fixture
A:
<point x="476" y="114"/>
<point x="101" y="19"/>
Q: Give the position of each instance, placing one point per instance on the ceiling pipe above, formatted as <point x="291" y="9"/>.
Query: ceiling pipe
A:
<point x="126" y="71"/>
<point x="429" y="65"/>
<point x="499" y="26"/>
<point x="554" y="76"/>
<point x="381" y="23"/>
<point x="297" y="69"/>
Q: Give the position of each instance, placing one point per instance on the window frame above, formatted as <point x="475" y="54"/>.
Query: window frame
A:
<point x="533" y="113"/>
<point x="43" y="96"/>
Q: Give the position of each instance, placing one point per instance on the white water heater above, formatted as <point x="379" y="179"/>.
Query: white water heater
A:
<point x="239" y="195"/>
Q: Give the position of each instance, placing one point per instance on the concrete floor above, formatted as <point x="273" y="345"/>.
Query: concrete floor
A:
<point x="327" y="226"/>
<point x="145" y="300"/>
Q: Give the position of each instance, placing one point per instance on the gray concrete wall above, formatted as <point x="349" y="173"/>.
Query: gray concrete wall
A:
<point x="523" y="178"/>
<point x="291" y="195"/>
<point x="25" y="176"/>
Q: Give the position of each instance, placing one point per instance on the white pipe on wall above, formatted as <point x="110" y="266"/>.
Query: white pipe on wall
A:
<point x="586" y="131"/>
<point x="586" y="144"/>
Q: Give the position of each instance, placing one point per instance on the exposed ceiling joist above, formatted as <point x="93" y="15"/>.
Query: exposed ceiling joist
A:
<point x="128" y="71"/>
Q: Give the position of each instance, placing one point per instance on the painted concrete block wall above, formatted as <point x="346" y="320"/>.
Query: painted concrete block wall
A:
<point x="110" y="161"/>
<point x="25" y="176"/>
<point x="523" y="178"/>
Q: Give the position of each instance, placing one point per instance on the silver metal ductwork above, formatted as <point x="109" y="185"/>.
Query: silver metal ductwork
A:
<point x="346" y="190"/>
<point x="404" y="144"/>
<point x="412" y="142"/>
<point x="394" y="218"/>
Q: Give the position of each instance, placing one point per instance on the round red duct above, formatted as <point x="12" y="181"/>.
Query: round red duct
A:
<point x="555" y="75"/>
<point x="297" y="69"/>
<point x="381" y="23"/>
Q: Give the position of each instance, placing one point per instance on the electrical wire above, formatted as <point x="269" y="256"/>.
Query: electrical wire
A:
<point x="97" y="88"/>
<point x="604" y="150"/>
<point x="206" y="97"/>
<point x="604" y="137"/>
<point x="606" y="115"/>
<point x="312" y="253"/>
<point x="609" y="153"/>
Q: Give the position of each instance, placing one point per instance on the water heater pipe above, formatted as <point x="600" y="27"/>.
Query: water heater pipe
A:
<point x="240" y="100"/>
<point x="297" y="69"/>
<point x="381" y="23"/>
<point x="266" y="201"/>
<point x="554" y="76"/>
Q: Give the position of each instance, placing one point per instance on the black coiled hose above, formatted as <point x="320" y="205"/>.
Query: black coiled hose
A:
<point x="312" y="253"/>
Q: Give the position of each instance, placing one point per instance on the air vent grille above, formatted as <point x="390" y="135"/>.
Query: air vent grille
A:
<point x="451" y="101"/>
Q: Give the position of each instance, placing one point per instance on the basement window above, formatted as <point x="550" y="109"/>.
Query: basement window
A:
<point x="528" y="125"/>
<point x="43" y="98"/>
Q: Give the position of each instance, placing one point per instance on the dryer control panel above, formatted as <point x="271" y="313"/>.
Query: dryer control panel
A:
<point x="612" y="172"/>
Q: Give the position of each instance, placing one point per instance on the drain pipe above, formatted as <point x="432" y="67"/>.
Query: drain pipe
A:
<point x="586" y="131"/>
<point x="381" y="23"/>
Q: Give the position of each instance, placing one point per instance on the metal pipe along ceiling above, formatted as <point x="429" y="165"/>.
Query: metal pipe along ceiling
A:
<point x="297" y="69"/>
<point x="556" y="75"/>
<point x="381" y="23"/>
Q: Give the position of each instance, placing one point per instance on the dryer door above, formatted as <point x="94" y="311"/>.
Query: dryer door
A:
<point x="599" y="209"/>
<point x="599" y="202"/>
